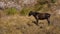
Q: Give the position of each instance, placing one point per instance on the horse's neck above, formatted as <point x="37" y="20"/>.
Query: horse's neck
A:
<point x="35" y="15"/>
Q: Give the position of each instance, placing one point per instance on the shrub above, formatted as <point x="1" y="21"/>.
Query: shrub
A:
<point x="11" y="11"/>
<point x="25" y="11"/>
<point x="37" y="7"/>
<point x="53" y="1"/>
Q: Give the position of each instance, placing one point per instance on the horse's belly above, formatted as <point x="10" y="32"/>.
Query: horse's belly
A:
<point x="41" y="18"/>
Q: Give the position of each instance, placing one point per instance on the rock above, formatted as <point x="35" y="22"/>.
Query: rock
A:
<point x="2" y="5"/>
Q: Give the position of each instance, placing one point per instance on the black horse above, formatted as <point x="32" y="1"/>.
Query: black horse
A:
<point x="40" y="16"/>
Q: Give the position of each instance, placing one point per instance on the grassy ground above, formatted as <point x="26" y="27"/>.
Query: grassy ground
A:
<point x="23" y="25"/>
<point x="12" y="23"/>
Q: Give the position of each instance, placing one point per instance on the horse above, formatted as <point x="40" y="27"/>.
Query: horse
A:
<point x="40" y="16"/>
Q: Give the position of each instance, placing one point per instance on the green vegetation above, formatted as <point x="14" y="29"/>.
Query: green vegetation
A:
<point x="42" y="6"/>
<point x="25" y="11"/>
<point x="11" y="11"/>
<point x="53" y="1"/>
<point x="17" y="24"/>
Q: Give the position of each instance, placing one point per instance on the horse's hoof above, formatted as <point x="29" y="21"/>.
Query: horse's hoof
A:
<point x="35" y="23"/>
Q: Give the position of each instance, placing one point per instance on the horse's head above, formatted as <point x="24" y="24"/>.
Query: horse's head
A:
<point x="30" y="13"/>
<point x="34" y="13"/>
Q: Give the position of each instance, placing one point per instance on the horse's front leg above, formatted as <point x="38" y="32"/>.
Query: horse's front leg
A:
<point x="36" y="21"/>
<point x="48" y="21"/>
<point x="36" y="17"/>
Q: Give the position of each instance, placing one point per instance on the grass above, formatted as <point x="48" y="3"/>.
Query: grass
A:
<point x="25" y="11"/>
<point x="16" y="24"/>
<point x="11" y="11"/>
<point x="19" y="25"/>
<point x="53" y="1"/>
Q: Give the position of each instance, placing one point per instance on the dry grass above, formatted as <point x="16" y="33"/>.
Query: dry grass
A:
<point x="23" y="25"/>
<point x="15" y="24"/>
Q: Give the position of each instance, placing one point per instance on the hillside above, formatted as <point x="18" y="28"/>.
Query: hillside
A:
<point x="14" y="17"/>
